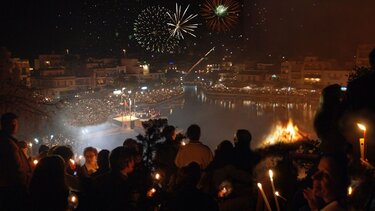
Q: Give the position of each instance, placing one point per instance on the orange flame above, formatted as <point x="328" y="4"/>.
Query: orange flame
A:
<point x="282" y="133"/>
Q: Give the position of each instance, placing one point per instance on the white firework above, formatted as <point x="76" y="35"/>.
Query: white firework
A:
<point x="181" y="23"/>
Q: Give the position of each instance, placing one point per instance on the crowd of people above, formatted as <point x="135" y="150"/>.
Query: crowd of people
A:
<point x="188" y="176"/>
<point x="90" y="108"/>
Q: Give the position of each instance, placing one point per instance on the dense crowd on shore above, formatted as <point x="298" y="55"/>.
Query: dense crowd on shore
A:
<point x="90" y="108"/>
<point x="174" y="175"/>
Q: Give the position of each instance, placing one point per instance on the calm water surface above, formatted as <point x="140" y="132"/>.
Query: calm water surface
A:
<point x="220" y="118"/>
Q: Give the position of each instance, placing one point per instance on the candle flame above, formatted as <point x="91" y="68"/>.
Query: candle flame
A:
<point x="157" y="176"/>
<point x="277" y="193"/>
<point x="270" y="172"/>
<point x="361" y="126"/>
<point x="72" y="161"/>
<point x="350" y="190"/>
<point x="73" y="199"/>
<point x="35" y="161"/>
<point x="259" y="185"/>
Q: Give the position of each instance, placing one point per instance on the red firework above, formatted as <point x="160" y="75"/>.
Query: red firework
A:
<point x="221" y="15"/>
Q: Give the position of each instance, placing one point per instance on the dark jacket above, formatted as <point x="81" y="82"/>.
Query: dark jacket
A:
<point x="15" y="169"/>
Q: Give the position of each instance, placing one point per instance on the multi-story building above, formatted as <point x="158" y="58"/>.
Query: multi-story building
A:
<point x="23" y="70"/>
<point x="312" y="72"/>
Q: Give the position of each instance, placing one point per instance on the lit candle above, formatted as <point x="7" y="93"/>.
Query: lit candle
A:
<point x="35" y="162"/>
<point x="223" y="192"/>
<point x="73" y="200"/>
<point x="264" y="196"/>
<point x="151" y="192"/>
<point x="278" y="195"/>
<point x="273" y="189"/>
<point x="350" y="190"/>
<point x="157" y="176"/>
<point x="362" y="141"/>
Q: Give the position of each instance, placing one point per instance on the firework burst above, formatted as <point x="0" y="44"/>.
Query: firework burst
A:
<point x="181" y="23"/>
<point x="151" y="32"/>
<point x="221" y="15"/>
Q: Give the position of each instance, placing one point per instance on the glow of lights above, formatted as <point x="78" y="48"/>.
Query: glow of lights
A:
<point x="36" y="140"/>
<point x="181" y="24"/>
<point x="143" y="87"/>
<point x="72" y="161"/>
<point x="51" y="136"/>
<point x="35" y="162"/>
<point x="30" y="144"/>
<point x="117" y="92"/>
<point x="183" y="143"/>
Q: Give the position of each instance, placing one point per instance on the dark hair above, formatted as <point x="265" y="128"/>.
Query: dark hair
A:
<point x="103" y="159"/>
<point x="48" y="187"/>
<point x="90" y="149"/>
<point x="120" y="157"/>
<point x="168" y="131"/>
<point x="193" y="132"/>
<point x="43" y="148"/>
<point x="64" y="151"/>
<point x="189" y="175"/>
<point x="7" y="118"/>
<point x="243" y="136"/>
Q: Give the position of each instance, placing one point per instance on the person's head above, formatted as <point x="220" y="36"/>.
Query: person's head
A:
<point x="242" y="138"/>
<point x="224" y="152"/>
<point x="48" y="187"/>
<point x="43" y="149"/>
<point x="193" y="132"/>
<point x="169" y="132"/>
<point x="189" y="175"/>
<point x="64" y="151"/>
<point x="136" y="147"/>
<point x="90" y="154"/>
<point x="9" y="123"/>
<point x="49" y="173"/>
<point x="103" y="159"/>
<point x="331" y="95"/>
<point x="331" y="179"/>
<point x="122" y="160"/>
<point x="372" y="58"/>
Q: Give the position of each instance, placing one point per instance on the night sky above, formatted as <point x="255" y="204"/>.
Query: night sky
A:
<point x="327" y="28"/>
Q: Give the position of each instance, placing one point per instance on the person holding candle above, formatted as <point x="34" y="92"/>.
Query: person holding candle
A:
<point x="330" y="184"/>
